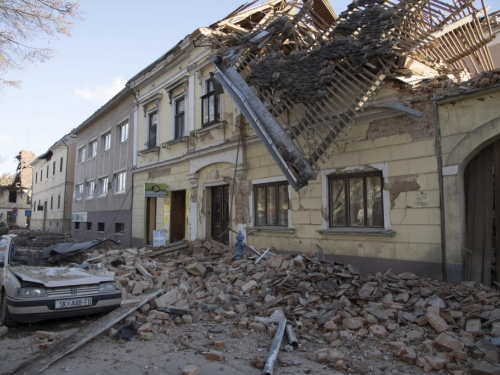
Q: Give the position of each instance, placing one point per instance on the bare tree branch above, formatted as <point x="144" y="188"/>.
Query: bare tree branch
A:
<point x="21" y="21"/>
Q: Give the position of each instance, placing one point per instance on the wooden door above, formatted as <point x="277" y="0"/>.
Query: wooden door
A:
<point x="150" y="219"/>
<point x="482" y="197"/>
<point x="178" y="216"/>
<point x="220" y="214"/>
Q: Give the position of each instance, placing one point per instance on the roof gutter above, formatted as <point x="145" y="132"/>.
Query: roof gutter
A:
<point x="272" y="135"/>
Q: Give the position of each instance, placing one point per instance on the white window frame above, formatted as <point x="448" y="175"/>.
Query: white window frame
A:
<point x="61" y="165"/>
<point x="120" y="183"/>
<point x="277" y="228"/>
<point x="102" y="186"/>
<point x="90" y="188"/>
<point x="79" y="192"/>
<point x="105" y="141"/>
<point x="120" y="134"/>
<point x="325" y="193"/>
<point x="81" y="154"/>
<point x="92" y="151"/>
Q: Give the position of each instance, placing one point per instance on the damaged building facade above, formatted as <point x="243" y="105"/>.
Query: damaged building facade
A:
<point x="101" y="204"/>
<point x="15" y="192"/>
<point x="53" y="173"/>
<point x="308" y="131"/>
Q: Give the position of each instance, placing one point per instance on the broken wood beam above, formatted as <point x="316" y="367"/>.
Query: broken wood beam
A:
<point x="42" y="361"/>
<point x="170" y="249"/>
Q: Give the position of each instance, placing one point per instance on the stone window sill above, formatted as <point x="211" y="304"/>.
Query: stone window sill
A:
<point x="271" y="229"/>
<point x="358" y="231"/>
<point x="174" y="141"/>
<point x="148" y="151"/>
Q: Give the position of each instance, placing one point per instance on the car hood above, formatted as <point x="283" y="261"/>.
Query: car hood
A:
<point x="53" y="277"/>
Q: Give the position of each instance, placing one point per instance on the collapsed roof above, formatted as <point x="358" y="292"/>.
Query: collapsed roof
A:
<point x="301" y="74"/>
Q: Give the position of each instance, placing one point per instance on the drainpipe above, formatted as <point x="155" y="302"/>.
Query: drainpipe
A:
<point x="65" y="180"/>
<point x="441" y="189"/>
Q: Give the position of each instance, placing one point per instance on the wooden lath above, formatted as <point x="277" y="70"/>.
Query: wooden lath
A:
<point x="349" y="57"/>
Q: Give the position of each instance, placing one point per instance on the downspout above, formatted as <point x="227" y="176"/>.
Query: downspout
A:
<point x="441" y="189"/>
<point x="65" y="186"/>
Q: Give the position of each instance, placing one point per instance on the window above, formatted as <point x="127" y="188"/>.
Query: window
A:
<point x="52" y="203"/>
<point x="54" y="168"/>
<point x="102" y="188"/>
<point x="79" y="191"/>
<point x="152" y="127"/>
<point x="89" y="226"/>
<point x="100" y="227"/>
<point x="47" y="171"/>
<point x="36" y="177"/>
<point x="179" y="118"/>
<point x="92" y="149"/>
<point x="41" y="175"/>
<point x="120" y="182"/>
<point x="105" y="142"/>
<point x="61" y="165"/>
<point x="90" y="189"/>
<point x="12" y="196"/>
<point x="59" y="202"/>
<point x="123" y="132"/>
<point x="119" y="228"/>
<point x="77" y="225"/>
<point x="271" y="204"/>
<point x="209" y="113"/>
<point x="356" y="200"/>
<point x="81" y="154"/>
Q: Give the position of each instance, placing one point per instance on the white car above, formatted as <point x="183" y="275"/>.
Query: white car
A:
<point x="33" y="293"/>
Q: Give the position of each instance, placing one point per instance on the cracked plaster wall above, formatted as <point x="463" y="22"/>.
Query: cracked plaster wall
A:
<point x="406" y="145"/>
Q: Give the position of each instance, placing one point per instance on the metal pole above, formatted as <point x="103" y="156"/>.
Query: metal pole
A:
<point x="292" y="338"/>
<point x="275" y="348"/>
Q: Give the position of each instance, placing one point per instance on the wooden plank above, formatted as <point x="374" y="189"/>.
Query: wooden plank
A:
<point x="42" y="361"/>
<point x="170" y="249"/>
<point x="455" y="25"/>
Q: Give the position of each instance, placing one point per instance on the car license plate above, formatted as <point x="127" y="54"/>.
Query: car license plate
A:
<point x="71" y="303"/>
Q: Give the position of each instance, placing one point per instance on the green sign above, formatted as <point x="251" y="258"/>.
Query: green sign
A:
<point x="155" y="190"/>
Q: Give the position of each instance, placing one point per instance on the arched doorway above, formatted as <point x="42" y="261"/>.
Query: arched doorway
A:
<point x="482" y="215"/>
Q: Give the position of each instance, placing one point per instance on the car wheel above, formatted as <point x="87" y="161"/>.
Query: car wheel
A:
<point x="5" y="315"/>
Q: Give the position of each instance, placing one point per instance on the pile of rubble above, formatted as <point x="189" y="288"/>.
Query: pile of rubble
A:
<point x="446" y="86"/>
<point x="41" y="239"/>
<point x="427" y="323"/>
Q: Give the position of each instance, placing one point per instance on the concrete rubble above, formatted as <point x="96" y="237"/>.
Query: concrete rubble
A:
<point x="420" y="322"/>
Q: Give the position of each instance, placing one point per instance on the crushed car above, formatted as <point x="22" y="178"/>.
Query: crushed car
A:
<point x="33" y="289"/>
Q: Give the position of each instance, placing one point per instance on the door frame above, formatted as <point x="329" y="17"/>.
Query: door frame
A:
<point x="148" y="226"/>
<point x="206" y="224"/>
<point x="172" y="192"/>
<point x="228" y="220"/>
